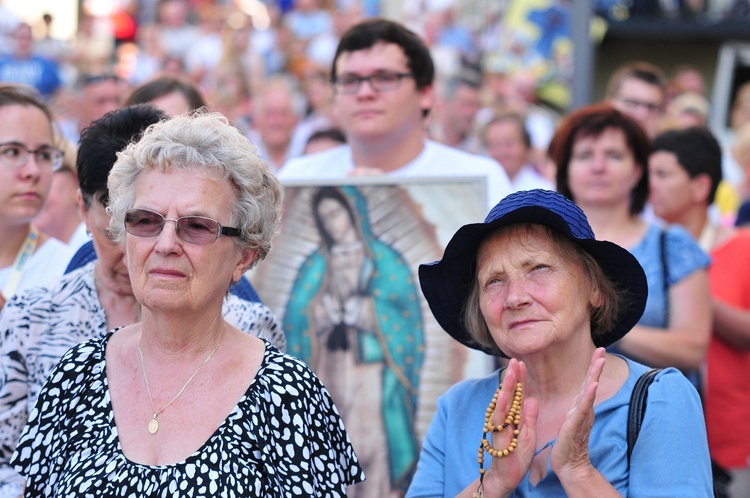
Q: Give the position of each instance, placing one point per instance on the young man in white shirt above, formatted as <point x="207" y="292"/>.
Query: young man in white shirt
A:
<point x="383" y="78"/>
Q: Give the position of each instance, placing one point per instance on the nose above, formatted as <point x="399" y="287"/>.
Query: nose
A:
<point x="365" y="89"/>
<point x="598" y="162"/>
<point x="168" y="242"/>
<point x="30" y="167"/>
<point x="516" y="296"/>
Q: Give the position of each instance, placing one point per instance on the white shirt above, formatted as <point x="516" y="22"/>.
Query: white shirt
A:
<point x="79" y="237"/>
<point x="436" y="160"/>
<point x="47" y="264"/>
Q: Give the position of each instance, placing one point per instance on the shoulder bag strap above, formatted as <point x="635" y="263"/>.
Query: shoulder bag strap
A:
<point x="665" y="270"/>
<point x="637" y="408"/>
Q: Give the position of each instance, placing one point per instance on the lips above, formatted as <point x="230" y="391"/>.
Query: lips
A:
<point x="166" y="273"/>
<point x="32" y="196"/>
<point x="367" y="113"/>
<point x="520" y="323"/>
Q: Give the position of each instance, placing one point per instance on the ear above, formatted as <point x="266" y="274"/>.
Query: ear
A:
<point x="244" y="263"/>
<point x="427" y="98"/>
<point x="596" y="299"/>
<point x="700" y="187"/>
<point x="82" y="210"/>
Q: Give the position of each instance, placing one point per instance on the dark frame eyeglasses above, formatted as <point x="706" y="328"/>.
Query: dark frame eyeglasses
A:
<point x="15" y="155"/>
<point x="379" y="82"/>
<point x="199" y="230"/>
<point x="635" y="104"/>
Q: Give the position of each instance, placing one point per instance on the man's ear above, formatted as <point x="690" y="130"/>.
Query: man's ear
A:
<point x="427" y="98"/>
<point x="700" y="188"/>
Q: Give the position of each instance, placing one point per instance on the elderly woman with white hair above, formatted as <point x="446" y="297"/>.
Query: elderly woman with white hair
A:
<point x="183" y="403"/>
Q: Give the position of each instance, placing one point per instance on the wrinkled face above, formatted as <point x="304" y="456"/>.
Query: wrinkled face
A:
<point x="111" y="268"/>
<point x="641" y="101"/>
<point x="24" y="190"/>
<point x="532" y="298"/>
<point x="276" y="118"/>
<point x="505" y="144"/>
<point x="372" y="115"/>
<point x="671" y="190"/>
<point x="602" y="169"/>
<point x="169" y="274"/>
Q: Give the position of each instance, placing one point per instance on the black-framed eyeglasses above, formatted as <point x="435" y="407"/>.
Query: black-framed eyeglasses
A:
<point x="15" y="155"/>
<point x="635" y="104"/>
<point x="198" y="230"/>
<point x="349" y="84"/>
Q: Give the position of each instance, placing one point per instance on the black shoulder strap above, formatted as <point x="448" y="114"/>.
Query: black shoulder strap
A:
<point x="637" y="408"/>
<point x="665" y="269"/>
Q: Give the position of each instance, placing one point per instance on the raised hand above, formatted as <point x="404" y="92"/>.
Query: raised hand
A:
<point x="570" y="454"/>
<point x="505" y="473"/>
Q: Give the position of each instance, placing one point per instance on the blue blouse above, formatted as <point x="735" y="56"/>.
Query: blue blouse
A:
<point x="684" y="257"/>
<point x="670" y="457"/>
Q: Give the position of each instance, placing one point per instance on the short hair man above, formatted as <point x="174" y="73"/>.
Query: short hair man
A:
<point x="275" y="116"/>
<point x="639" y="89"/>
<point x="458" y="106"/>
<point x="94" y="95"/>
<point x="507" y="140"/>
<point x="383" y="77"/>
<point x="684" y="174"/>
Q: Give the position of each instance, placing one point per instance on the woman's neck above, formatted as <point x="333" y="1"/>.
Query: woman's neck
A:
<point x="615" y="224"/>
<point x="176" y="334"/>
<point x="120" y="309"/>
<point x="13" y="237"/>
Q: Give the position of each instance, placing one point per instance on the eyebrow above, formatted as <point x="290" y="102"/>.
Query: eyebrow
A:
<point x="21" y="144"/>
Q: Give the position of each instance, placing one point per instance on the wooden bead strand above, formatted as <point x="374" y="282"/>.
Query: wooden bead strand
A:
<point x="513" y="418"/>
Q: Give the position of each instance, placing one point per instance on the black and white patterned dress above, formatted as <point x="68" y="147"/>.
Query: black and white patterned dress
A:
<point x="283" y="438"/>
<point x="40" y="325"/>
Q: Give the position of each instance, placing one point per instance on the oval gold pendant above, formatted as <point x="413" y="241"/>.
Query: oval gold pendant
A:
<point x="153" y="426"/>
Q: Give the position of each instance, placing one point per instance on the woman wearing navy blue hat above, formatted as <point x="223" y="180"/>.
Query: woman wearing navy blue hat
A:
<point x="533" y="284"/>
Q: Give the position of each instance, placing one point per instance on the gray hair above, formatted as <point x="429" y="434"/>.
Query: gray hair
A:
<point x="207" y="142"/>
<point x="603" y="317"/>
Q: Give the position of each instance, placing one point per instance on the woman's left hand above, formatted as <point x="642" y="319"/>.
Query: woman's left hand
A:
<point x="570" y="454"/>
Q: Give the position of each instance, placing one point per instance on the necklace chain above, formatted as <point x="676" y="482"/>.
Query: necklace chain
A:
<point x="153" y="425"/>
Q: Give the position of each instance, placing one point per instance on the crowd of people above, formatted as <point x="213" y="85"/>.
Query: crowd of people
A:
<point x="143" y="171"/>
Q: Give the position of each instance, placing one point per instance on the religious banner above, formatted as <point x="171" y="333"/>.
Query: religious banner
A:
<point x="342" y="278"/>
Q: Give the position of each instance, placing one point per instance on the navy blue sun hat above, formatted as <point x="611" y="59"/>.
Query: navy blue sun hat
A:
<point x="446" y="284"/>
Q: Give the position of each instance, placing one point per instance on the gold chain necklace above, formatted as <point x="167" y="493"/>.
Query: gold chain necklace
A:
<point x="513" y="418"/>
<point x="153" y="424"/>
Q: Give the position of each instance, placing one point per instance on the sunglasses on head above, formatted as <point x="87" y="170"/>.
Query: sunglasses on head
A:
<point x="198" y="230"/>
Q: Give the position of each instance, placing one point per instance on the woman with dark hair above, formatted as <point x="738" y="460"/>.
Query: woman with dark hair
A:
<point x="601" y="157"/>
<point x="169" y="94"/>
